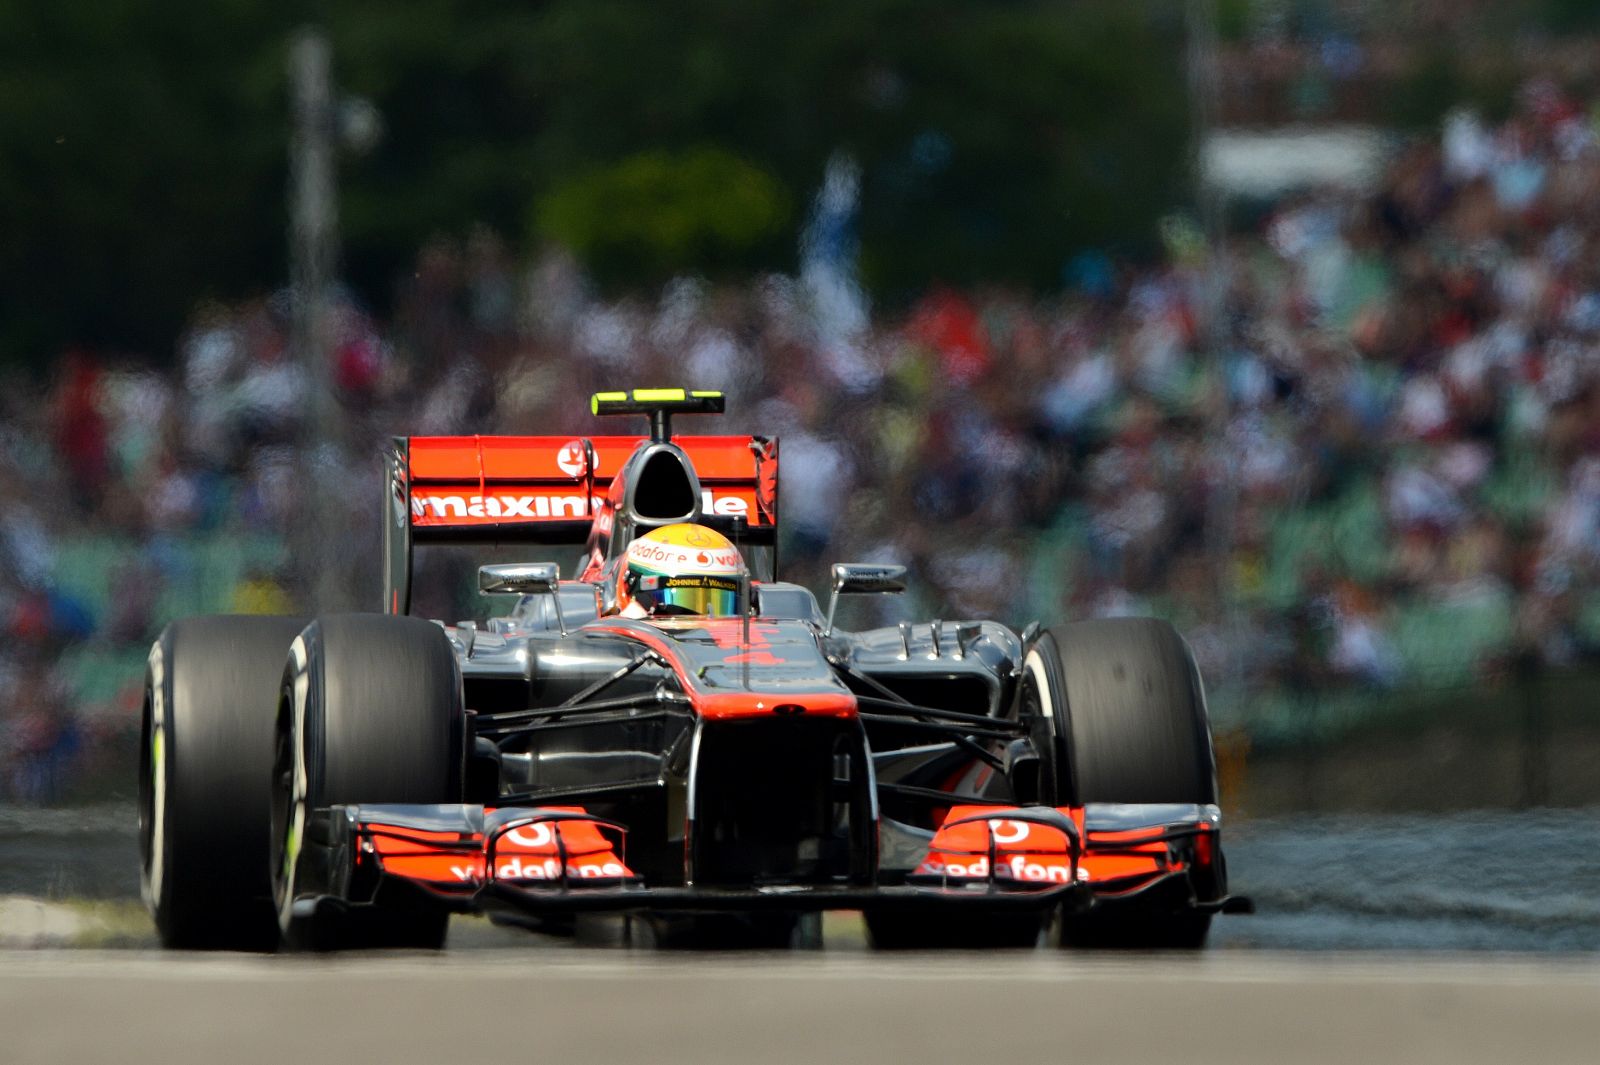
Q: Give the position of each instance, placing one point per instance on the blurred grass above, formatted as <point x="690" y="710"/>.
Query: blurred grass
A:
<point x="109" y="923"/>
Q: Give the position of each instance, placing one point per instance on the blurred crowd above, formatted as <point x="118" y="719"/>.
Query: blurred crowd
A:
<point x="1358" y="444"/>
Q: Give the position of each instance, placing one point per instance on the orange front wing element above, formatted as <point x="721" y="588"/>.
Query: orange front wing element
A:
<point x="1125" y="861"/>
<point x="1004" y="846"/>
<point x="538" y="850"/>
<point x="1013" y="847"/>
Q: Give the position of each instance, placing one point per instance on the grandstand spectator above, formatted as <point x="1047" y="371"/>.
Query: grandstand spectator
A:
<point x="1371" y="455"/>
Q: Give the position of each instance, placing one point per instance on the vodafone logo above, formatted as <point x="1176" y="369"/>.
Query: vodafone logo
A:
<point x="1016" y="867"/>
<point x="650" y="551"/>
<point x="1008" y="831"/>
<point x="537" y="834"/>
<point x="573" y="459"/>
<point x="516" y="868"/>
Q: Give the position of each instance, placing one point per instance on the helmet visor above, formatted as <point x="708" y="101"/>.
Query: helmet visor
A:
<point x="716" y="597"/>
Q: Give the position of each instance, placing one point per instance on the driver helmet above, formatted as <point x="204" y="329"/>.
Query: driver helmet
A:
<point x="681" y="569"/>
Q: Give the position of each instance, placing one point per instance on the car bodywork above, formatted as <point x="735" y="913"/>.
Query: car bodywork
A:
<point x="762" y="762"/>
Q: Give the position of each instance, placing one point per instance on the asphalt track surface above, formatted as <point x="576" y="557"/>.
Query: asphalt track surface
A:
<point x="622" y="1006"/>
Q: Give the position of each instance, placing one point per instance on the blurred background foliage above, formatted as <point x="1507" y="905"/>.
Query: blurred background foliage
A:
<point x="653" y="212"/>
<point x="142" y="166"/>
<point x="145" y="145"/>
<point x="144" y="160"/>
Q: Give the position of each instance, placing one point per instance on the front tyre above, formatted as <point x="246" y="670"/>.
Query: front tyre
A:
<point x="370" y="711"/>
<point x="1122" y="707"/>
<point x="205" y="761"/>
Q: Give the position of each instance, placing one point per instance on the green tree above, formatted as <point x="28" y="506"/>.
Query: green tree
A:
<point x="141" y="166"/>
<point x="143" y="147"/>
<point x="994" y="138"/>
<point x="655" y="212"/>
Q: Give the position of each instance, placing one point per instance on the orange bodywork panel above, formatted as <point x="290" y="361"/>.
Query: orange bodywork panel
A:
<point x="996" y="848"/>
<point x="714" y="704"/>
<point x="466" y="481"/>
<point x="540" y="851"/>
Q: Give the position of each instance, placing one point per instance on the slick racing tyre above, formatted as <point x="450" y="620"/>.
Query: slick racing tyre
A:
<point x="205" y="762"/>
<point x="1122" y="701"/>
<point x="369" y="711"/>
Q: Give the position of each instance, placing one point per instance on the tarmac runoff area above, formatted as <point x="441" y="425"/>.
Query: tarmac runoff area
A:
<point x="87" y="1006"/>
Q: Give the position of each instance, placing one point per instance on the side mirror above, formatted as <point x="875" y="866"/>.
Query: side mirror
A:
<point x="519" y="578"/>
<point x="524" y="578"/>
<point x="863" y="578"/>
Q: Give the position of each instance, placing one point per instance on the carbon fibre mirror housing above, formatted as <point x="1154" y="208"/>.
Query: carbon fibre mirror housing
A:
<point x="863" y="578"/>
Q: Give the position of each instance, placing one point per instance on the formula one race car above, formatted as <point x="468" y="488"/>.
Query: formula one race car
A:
<point x="676" y="735"/>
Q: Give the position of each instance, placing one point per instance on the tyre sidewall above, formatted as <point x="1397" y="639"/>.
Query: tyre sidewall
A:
<point x="204" y="758"/>
<point x="351" y="741"/>
<point x="300" y="738"/>
<point x="154" y="782"/>
<point x="1044" y="679"/>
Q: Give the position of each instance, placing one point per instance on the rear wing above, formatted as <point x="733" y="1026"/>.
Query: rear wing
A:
<point x="549" y="490"/>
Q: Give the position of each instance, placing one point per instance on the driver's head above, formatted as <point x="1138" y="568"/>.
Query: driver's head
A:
<point x="680" y="569"/>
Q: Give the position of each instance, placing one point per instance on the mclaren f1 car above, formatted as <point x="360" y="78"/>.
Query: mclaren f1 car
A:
<point x="352" y="780"/>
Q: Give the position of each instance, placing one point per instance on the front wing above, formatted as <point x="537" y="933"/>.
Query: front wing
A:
<point x="529" y="862"/>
